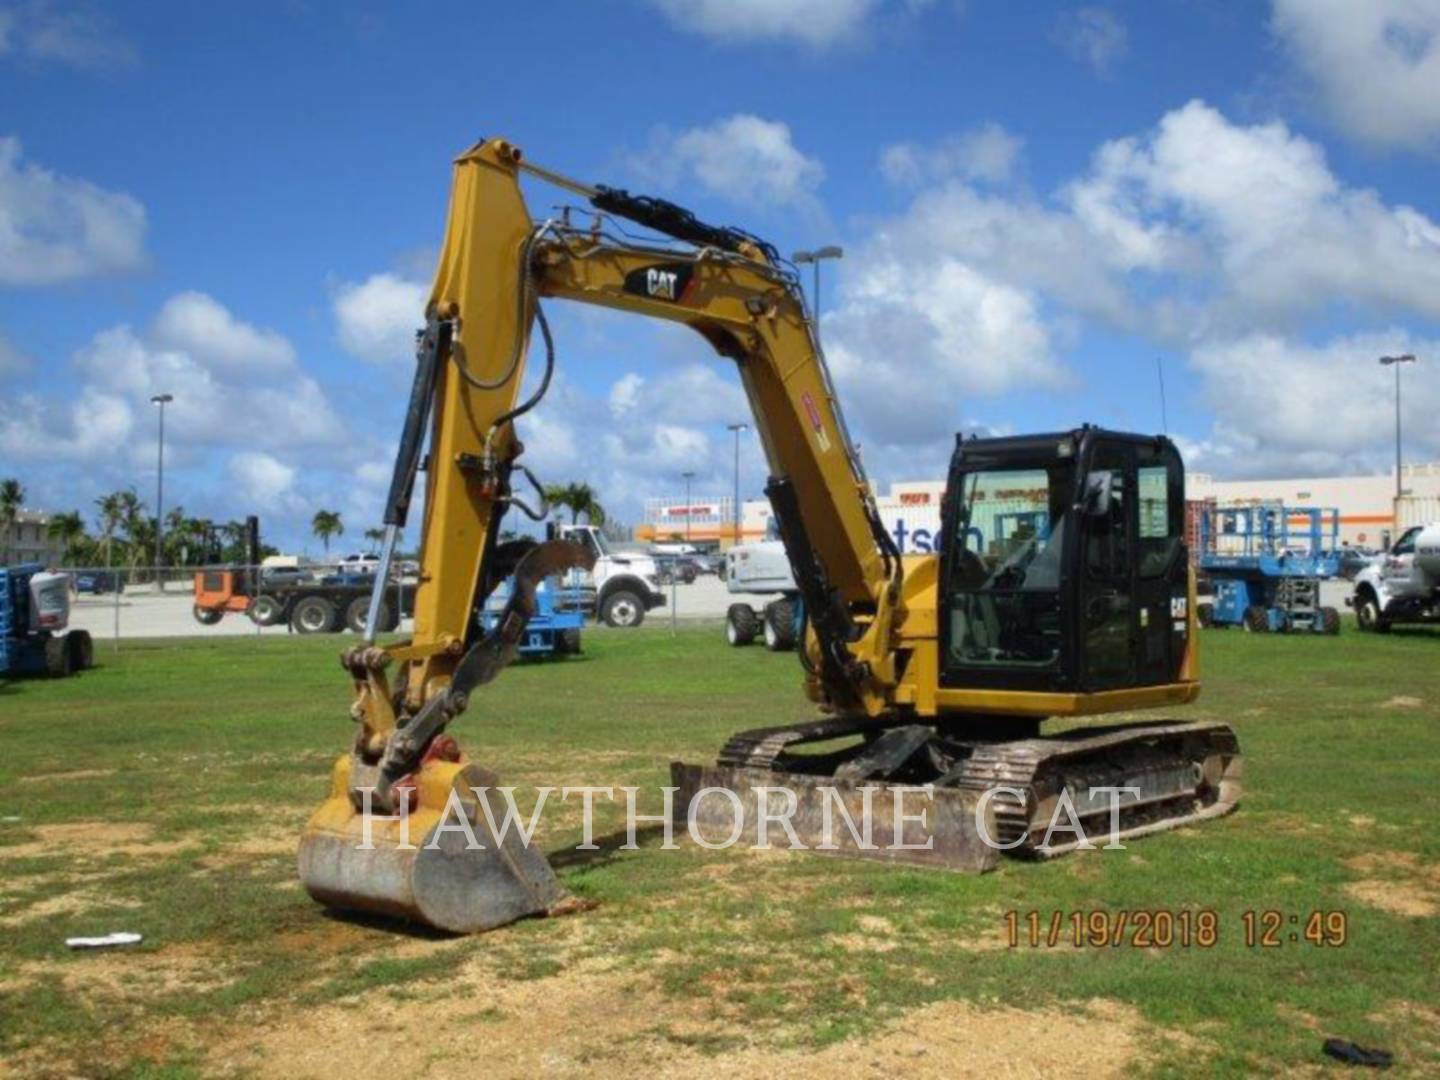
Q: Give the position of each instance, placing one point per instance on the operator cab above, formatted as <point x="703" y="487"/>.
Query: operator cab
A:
<point x="1041" y="589"/>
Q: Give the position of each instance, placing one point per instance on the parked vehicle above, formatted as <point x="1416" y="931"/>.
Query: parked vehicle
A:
<point x="675" y="568"/>
<point x="1403" y="586"/>
<point x="360" y="562"/>
<point x="97" y="582"/>
<point x="1355" y="559"/>
<point x="361" y="578"/>
<point x="273" y="577"/>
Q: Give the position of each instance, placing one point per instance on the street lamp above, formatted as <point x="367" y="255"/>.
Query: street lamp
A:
<point x="162" y="400"/>
<point x="1395" y="362"/>
<point x="688" y="515"/>
<point x="831" y="251"/>
<point x="737" y="428"/>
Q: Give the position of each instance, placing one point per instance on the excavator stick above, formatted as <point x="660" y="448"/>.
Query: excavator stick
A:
<point x="420" y="832"/>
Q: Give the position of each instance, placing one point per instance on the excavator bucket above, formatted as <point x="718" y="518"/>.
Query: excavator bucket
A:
<point x="421" y="833"/>
<point x="442" y="864"/>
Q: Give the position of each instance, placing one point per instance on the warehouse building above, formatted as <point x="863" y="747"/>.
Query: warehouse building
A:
<point x="911" y="509"/>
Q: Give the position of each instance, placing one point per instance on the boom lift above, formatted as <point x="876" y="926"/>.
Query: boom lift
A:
<point x="926" y="668"/>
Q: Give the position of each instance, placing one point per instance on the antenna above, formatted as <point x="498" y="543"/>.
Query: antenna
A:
<point x="1164" y="417"/>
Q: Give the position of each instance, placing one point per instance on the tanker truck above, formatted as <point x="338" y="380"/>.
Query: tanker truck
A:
<point x="1403" y="584"/>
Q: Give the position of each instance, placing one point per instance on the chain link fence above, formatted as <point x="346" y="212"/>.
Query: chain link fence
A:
<point x="120" y="603"/>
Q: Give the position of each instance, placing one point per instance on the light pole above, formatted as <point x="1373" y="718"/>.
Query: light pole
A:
<point x="830" y="251"/>
<point x="737" y="428"/>
<point x="1395" y="362"/>
<point x="162" y="400"/>
<point x="688" y="515"/>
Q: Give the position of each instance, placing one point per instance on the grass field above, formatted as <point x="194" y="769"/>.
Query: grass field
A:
<point x="163" y="793"/>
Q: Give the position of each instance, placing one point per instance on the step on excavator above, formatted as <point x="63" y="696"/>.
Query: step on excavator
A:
<point x="1060" y="590"/>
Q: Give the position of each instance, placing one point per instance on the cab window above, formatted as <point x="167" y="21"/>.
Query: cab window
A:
<point x="1004" y="597"/>
<point x="1406" y="544"/>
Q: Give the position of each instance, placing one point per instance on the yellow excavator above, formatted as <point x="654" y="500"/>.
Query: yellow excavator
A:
<point x="1059" y="589"/>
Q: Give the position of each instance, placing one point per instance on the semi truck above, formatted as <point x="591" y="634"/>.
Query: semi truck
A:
<point x="34" y="620"/>
<point x="333" y="603"/>
<point x="1402" y="585"/>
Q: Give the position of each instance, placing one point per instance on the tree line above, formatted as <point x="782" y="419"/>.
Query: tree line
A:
<point x="124" y="531"/>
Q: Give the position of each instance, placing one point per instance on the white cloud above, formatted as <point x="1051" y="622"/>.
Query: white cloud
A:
<point x="378" y="317"/>
<point x="1376" y="64"/>
<point x="818" y="23"/>
<point x="625" y="394"/>
<point x="263" y="480"/>
<point x="218" y="402"/>
<point x="1287" y="408"/>
<point x="58" y="228"/>
<point x="987" y="153"/>
<point x="1198" y="228"/>
<point x="918" y="335"/>
<point x="78" y="35"/>
<point x="1198" y="233"/>
<point x="195" y="323"/>
<point x="1094" y="36"/>
<point x="96" y="427"/>
<point x="1273" y="228"/>
<point x="743" y="158"/>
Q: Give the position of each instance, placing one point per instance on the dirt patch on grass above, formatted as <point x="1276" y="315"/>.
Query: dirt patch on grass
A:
<point x="73" y="774"/>
<point x="1393" y="897"/>
<point x="88" y="840"/>
<point x="75" y="902"/>
<point x="251" y="850"/>
<point x="133" y="974"/>
<point x="1397" y="882"/>
<point x="1403" y="702"/>
<point x="596" y="1023"/>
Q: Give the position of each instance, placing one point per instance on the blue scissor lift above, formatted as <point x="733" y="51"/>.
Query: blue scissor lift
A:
<point x="1266" y="562"/>
<point x="555" y="627"/>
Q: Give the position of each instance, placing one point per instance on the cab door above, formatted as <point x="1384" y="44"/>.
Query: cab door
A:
<point x="1106" y="610"/>
<point x="1162" y="566"/>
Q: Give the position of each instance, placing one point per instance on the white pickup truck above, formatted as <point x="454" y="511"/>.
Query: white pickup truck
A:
<point x="1403" y="584"/>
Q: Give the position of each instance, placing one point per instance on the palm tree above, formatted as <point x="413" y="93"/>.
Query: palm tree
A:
<point x="578" y="499"/>
<point x="12" y="497"/>
<point x="112" y="512"/>
<point x="234" y="535"/>
<point x="174" y="537"/>
<point x="139" y="528"/>
<point x="69" y="529"/>
<point x="203" y="530"/>
<point x="326" y="524"/>
<point x="375" y="536"/>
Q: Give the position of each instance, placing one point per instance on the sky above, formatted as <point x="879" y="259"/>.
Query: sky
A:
<point x="1043" y="208"/>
